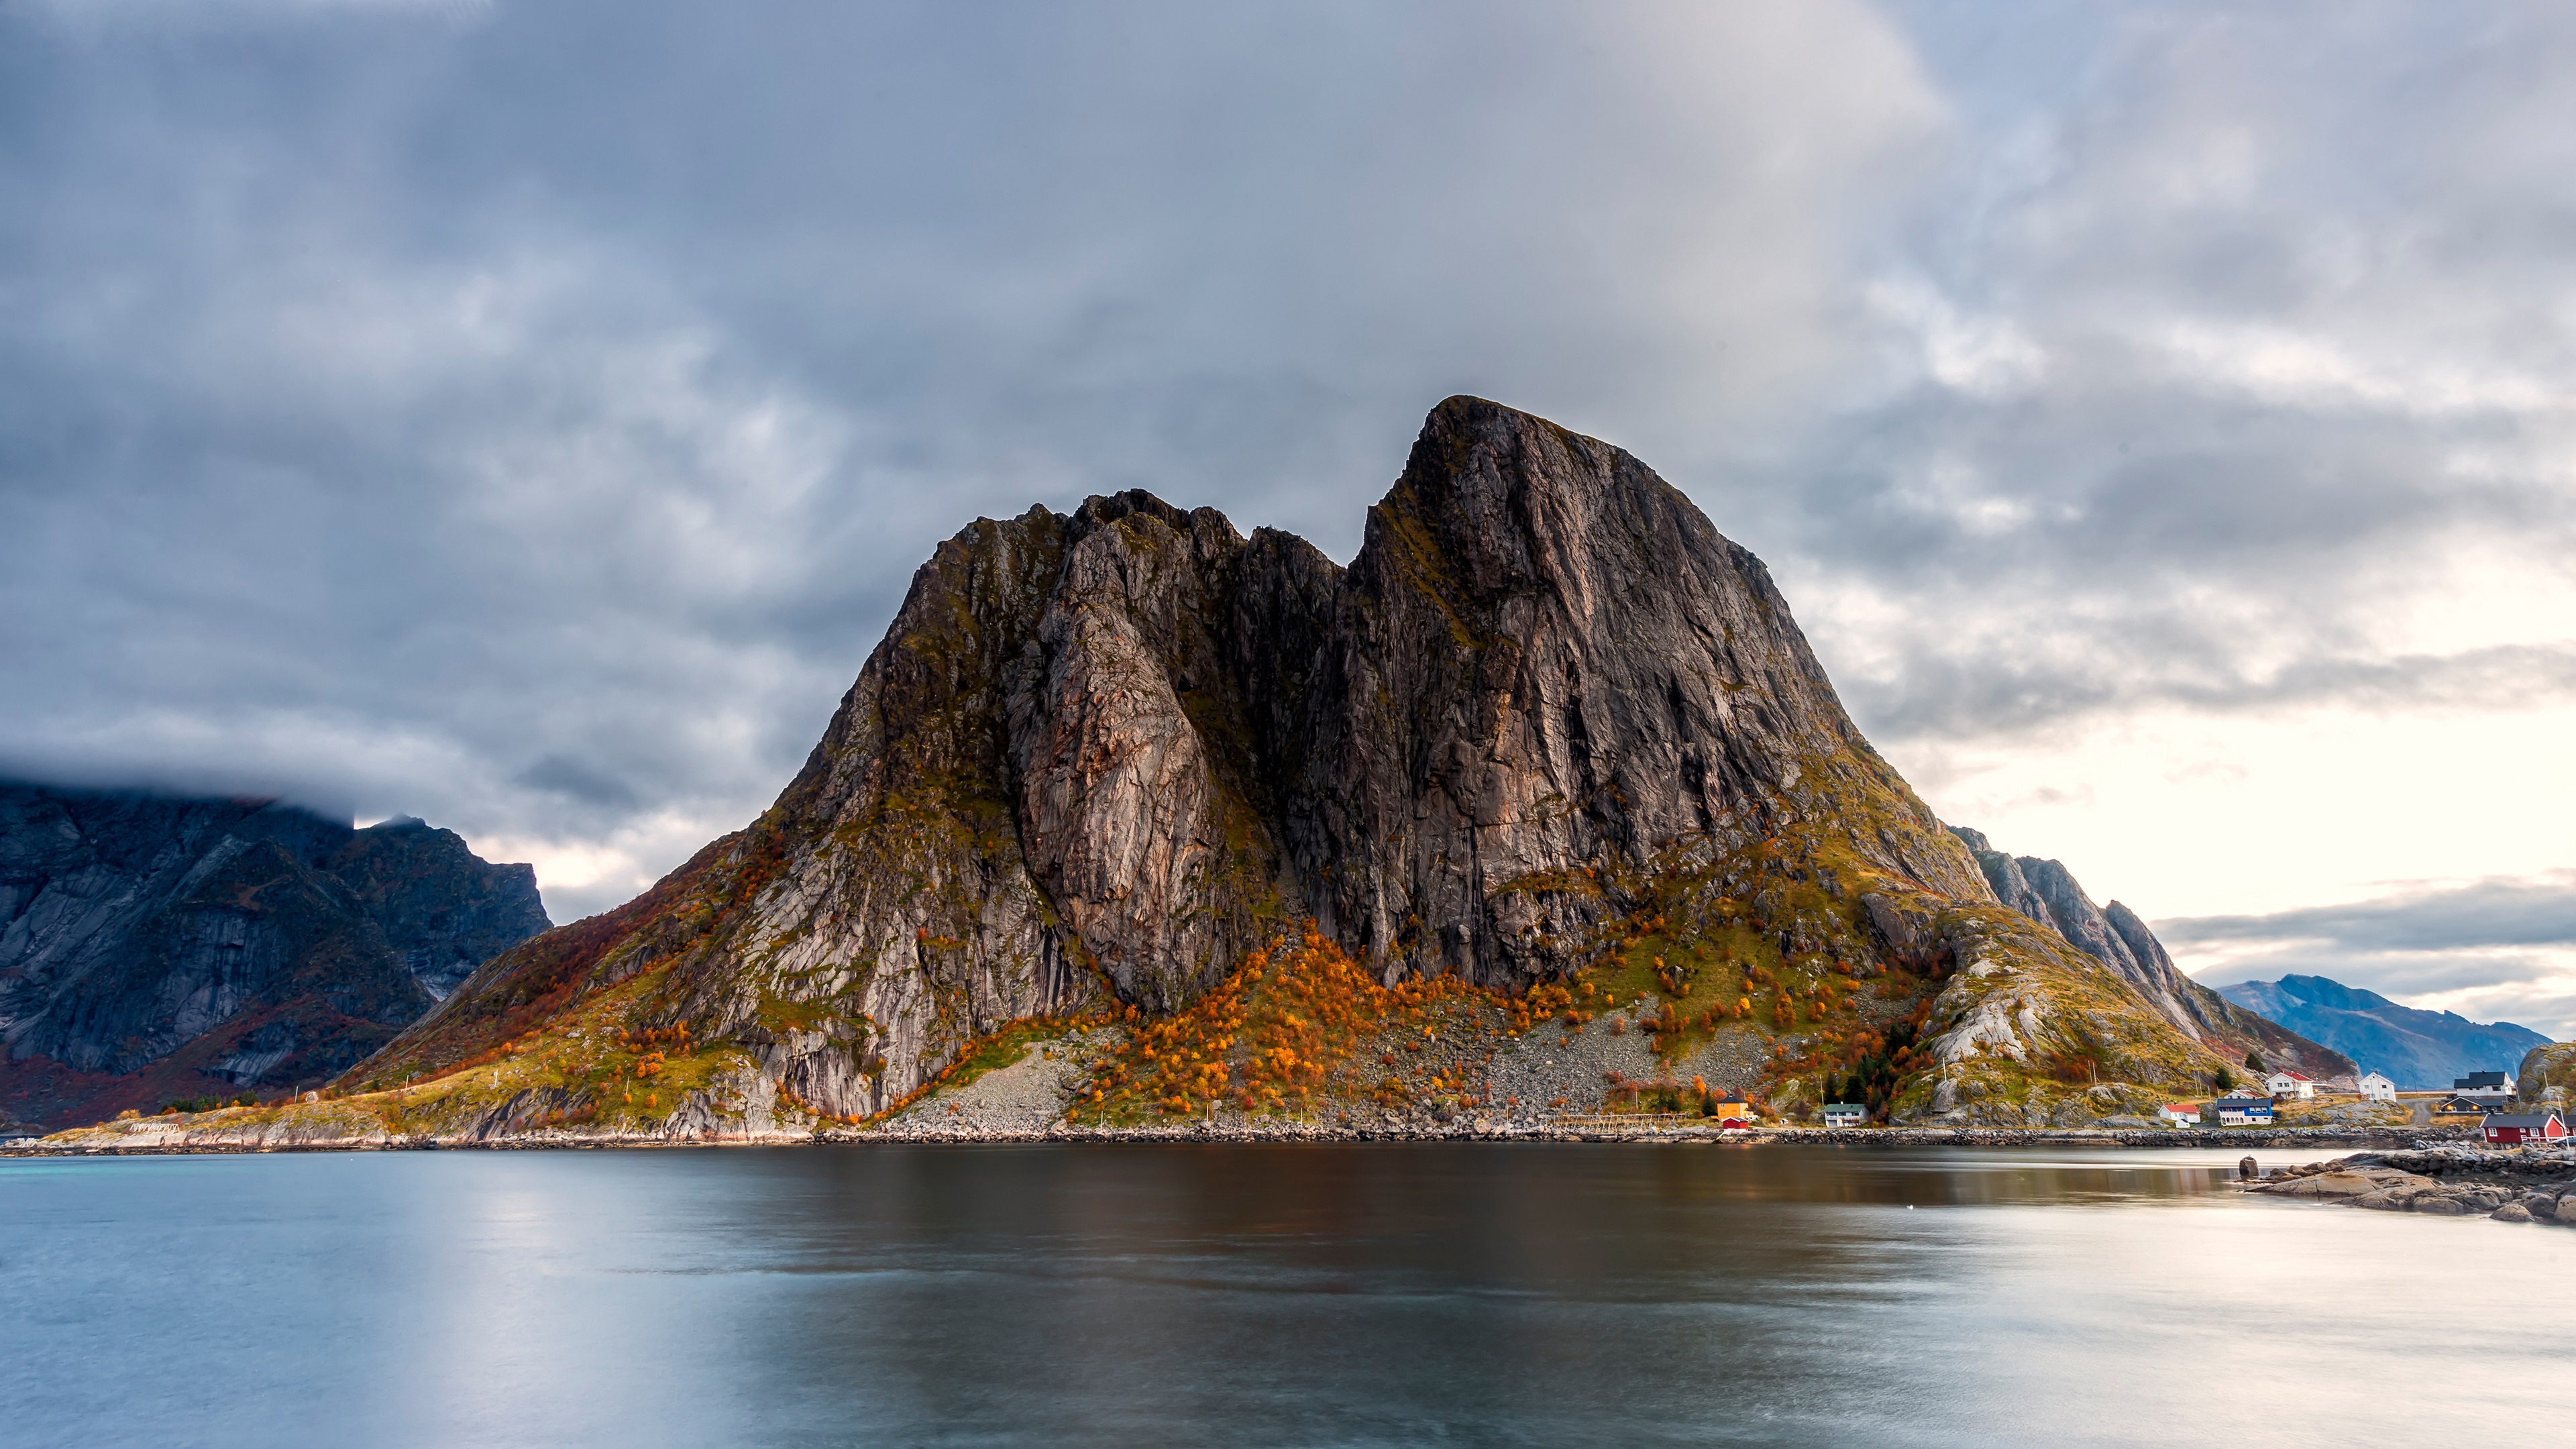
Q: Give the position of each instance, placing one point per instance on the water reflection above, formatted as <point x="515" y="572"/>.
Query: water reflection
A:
<point x="1486" y="1295"/>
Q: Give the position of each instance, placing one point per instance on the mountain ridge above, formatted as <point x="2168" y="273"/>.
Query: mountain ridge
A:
<point x="2048" y="893"/>
<point x="156" y="946"/>
<point x="2419" y="1050"/>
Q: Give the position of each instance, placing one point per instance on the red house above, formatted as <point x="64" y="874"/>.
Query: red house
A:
<point x="2527" y="1127"/>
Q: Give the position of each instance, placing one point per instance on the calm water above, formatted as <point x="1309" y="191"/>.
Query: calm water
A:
<point x="1387" y="1295"/>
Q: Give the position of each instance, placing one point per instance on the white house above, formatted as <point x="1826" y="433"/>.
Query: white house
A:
<point x="2289" y="1084"/>
<point x="1845" y="1114"/>
<point x="2491" y="1090"/>
<point x="2179" y="1114"/>
<point x="2377" y="1088"/>
<point x="2243" y="1111"/>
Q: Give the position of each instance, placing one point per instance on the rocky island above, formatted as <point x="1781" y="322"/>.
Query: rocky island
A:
<point x="1135" y="824"/>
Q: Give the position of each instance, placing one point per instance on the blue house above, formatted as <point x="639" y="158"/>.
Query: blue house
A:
<point x="2243" y="1111"/>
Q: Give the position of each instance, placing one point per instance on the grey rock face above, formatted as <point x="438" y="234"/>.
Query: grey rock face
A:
<point x="443" y="910"/>
<point x="1125" y="746"/>
<point x="1544" y="654"/>
<point x="232" y="942"/>
<point x="2049" y="894"/>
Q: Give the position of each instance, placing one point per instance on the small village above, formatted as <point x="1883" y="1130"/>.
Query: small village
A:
<point x="2484" y="1100"/>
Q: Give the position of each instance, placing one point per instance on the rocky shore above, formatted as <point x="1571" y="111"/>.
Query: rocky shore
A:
<point x="150" y="1138"/>
<point x="2513" y="1185"/>
<point x="1603" y="1130"/>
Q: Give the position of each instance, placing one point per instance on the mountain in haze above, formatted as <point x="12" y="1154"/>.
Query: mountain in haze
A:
<point x="2048" y="893"/>
<point x="1547" y="720"/>
<point x="156" y="948"/>
<point x="2419" y="1050"/>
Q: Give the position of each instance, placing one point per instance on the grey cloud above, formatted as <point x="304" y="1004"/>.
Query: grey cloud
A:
<point x="2282" y="368"/>
<point x="570" y="777"/>
<point x="1996" y="696"/>
<point x="2510" y="912"/>
<point x="2501" y="949"/>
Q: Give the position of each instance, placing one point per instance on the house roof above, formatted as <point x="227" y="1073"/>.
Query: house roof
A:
<point x="2192" y="1107"/>
<point x="1846" y="1107"/>
<point x="2479" y="1079"/>
<point x="2242" y="1103"/>
<point x="2295" y="1076"/>
<point x="2521" y="1119"/>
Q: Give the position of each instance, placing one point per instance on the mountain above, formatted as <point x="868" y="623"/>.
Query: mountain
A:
<point x="156" y="948"/>
<point x="2419" y="1050"/>
<point x="2048" y="893"/>
<point x="1548" y="722"/>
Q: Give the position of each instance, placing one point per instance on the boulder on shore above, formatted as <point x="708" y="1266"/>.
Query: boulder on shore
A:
<point x="2352" y="1182"/>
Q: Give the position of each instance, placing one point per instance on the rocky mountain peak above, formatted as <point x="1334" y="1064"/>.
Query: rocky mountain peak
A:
<point x="1103" y="756"/>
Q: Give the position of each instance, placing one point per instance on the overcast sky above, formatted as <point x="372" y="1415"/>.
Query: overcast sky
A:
<point x="2162" y="418"/>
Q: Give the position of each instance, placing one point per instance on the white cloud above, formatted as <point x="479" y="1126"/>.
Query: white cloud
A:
<point x="1986" y="355"/>
<point x="2280" y="367"/>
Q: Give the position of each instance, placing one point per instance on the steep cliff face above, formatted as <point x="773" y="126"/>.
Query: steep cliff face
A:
<point x="1547" y="713"/>
<point x="1543" y="656"/>
<point x="155" y="948"/>
<point x="444" y="910"/>
<point x="2048" y="893"/>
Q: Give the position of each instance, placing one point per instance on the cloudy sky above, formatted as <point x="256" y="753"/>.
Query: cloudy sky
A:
<point x="2163" y="418"/>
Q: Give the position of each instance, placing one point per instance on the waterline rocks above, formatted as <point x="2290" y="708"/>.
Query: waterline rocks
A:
<point x="2519" y="1185"/>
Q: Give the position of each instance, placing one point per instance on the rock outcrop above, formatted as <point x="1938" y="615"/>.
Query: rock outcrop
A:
<point x="2048" y="893"/>
<point x="1099" y="757"/>
<point x="155" y="948"/>
<point x="2548" y="1075"/>
<point x="2514" y="1185"/>
<point x="2419" y="1050"/>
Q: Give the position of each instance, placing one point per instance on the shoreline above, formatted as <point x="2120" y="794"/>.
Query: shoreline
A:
<point x="1287" y="1134"/>
<point x="2520" y="1184"/>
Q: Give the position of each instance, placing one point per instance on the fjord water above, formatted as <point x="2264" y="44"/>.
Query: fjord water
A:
<point x="1489" y="1294"/>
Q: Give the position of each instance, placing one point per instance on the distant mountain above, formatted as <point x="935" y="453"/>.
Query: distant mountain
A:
<point x="2048" y="893"/>
<point x="155" y="948"/>
<point x="2418" y="1049"/>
